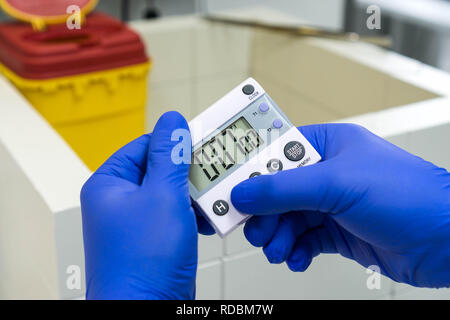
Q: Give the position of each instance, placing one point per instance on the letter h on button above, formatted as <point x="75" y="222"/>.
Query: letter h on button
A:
<point x="220" y="207"/>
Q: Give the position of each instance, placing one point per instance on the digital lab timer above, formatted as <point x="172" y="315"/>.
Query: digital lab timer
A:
<point x="243" y="135"/>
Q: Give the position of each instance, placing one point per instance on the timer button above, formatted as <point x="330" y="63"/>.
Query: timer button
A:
<point x="294" y="151"/>
<point x="255" y="174"/>
<point x="248" y="89"/>
<point x="264" y="107"/>
<point x="277" y="123"/>
<point x="274" y="165"/>
<point x="220" y="207"/>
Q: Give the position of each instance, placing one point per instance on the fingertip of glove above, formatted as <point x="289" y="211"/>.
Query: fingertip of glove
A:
<point x="240" y="197"/>
<point x="274" y="255"/>
<point x="299" y="262"/>
<point x="253" y="236"/>
<point x="171" y="120"/>
<point x="205" y="229"/>
<point x="173" y="116"/>
<point x="260" y="229"/>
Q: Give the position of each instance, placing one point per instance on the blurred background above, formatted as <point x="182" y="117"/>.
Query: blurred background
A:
<point x="69" y="98"/>
<point x="415" y="32"/>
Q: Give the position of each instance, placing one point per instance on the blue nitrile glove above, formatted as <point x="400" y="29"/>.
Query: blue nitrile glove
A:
<point x="140" y="232"/>
<point x="368" y="200"/>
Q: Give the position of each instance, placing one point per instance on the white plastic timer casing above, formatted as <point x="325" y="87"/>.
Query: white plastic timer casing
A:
<point x="218" y="116"/>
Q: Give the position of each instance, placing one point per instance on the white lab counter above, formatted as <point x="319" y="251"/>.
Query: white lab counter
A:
<point x="40" y="226"/>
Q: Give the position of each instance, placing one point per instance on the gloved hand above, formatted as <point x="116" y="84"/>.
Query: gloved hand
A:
<point x="368" y="200"/>
<point x="140" y="232"/>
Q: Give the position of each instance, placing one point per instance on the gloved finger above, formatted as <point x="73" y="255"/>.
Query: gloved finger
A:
<point x="282" y="242"/>
<point x="169" y="151"/>
<point x="204" y="227"/>
<point x="260" y="229"/>
<point x="291" y="225"/>
<point x="314" y="219"/>
<point x="302" y="221"/>
<point x="308" y="246"/>
<point x="129" y="162"/>
<point x="305" y="188"/>
<point x="316" y="134"/>
<point x="327" y="138"/>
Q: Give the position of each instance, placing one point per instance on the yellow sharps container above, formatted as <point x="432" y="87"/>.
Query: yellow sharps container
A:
<point x="89" y="83"/>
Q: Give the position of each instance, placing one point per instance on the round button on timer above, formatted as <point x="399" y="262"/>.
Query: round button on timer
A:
<point x="277" y="123"/>
<point x="274" y="165"/>
<point x="248" y="89"/>
<point x="294" y="151"/>
<point x="264" y="107"/>
<point x="220" y="207"/>
<point x="255" y="174"/>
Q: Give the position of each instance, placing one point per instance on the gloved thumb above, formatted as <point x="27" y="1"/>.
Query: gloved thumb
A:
<point x="169" y="152"/>
<point x="305" y="188"/>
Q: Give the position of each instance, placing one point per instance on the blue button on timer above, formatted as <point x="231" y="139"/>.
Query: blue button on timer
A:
<point x="264" y="107"/>
<point x="277" y="123"/>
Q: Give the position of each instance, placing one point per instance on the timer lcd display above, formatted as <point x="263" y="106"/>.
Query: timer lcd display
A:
<point x="221" y="153"/>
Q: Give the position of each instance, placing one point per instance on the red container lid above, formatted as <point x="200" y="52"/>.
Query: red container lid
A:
<point x="43" y="12"/>
<point x="102" y="43"/>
